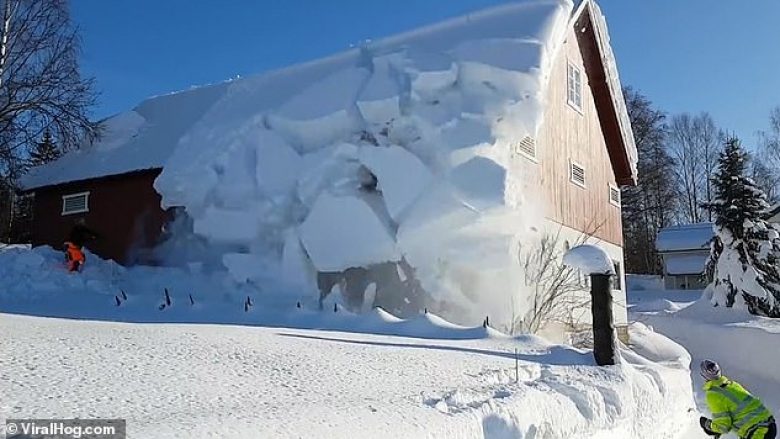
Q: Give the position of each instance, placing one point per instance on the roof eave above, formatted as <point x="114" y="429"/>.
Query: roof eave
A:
<point x="619" y="138"/>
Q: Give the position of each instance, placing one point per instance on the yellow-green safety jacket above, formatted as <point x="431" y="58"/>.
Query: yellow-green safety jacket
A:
<point x="734" y="408"/>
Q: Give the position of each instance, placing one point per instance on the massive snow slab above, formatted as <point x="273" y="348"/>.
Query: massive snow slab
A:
<point x="409" y="135"/>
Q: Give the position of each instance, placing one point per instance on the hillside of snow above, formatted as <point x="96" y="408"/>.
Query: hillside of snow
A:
<point x="175" y="380"/>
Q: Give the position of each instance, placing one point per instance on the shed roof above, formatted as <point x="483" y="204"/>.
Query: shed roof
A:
<point x="688" y="237"/>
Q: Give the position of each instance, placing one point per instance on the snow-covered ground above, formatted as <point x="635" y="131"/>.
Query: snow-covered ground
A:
<point x="743" y="344"/>
<point x="276" y="370"/>
<point x="177" y="380"/>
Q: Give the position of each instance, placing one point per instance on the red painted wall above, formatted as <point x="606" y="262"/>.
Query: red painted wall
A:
<point x="123" y="209"/>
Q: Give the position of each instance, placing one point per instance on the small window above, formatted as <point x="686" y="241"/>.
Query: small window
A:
<point x="616" y="280"/>
<point x="526" y="147"/>
<point x="614" y="195"/>
<point x="577" y="172"/>
<point x="75" y="203"/>
<point x="574" y="87"/>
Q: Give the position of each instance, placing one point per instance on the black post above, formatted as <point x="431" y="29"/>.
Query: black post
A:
<point x="603" y="324"/>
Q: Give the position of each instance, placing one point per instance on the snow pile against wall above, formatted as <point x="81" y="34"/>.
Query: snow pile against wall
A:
<point x="395" y="153"/>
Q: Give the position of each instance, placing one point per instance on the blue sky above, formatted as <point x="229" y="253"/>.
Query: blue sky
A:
<point x="686" y="55"/>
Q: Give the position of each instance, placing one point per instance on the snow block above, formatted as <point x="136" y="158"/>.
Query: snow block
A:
<point x="480" y="183"/>
<point x="278" y="164"/>
<point x="342" y="232"/>
<point x="227" y="226"/>
<point x="400" y="174"/>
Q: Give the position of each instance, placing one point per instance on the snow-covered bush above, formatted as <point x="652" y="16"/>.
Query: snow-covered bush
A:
<point x="744" y="264"/>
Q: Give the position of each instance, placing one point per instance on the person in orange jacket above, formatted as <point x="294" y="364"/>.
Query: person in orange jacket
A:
<point x="74" y="256"/>
<point x="78" y="236"/>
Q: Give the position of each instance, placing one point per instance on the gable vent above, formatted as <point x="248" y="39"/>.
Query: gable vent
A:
<point x="614" y="195"/>
<point x="577" y="174"/>
<point x="76" y="203"/>
<point x="526" y="147"/>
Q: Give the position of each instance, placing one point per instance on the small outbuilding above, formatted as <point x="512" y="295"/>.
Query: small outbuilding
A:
<point x="684" y="251"/>
<point x="773" y="216"/>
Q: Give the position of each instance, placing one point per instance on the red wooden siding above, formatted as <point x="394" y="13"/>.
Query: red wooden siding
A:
<point x="123" y="209"/>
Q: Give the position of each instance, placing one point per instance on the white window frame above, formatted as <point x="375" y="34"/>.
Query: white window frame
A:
<point x="76" y="195"/>
<point x="582" y="184"/>
<point x="571" y="67"/>
<point x="520" y="151"/>
<point x="619" y="201"/>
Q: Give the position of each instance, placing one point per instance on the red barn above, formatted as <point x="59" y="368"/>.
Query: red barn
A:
<point x="110" y="184"/>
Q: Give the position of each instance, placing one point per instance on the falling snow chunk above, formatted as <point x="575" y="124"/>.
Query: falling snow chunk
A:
<point x="480" y="183"/>
<point x="343" y="232"/>
<point x="277" y="164"/>
<point x="227" y="226"/>
<point x="401" y="176"/>
<point x="242" y="267"/>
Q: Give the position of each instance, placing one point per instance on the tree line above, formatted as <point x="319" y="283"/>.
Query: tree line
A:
<point x="678" y="155"/>
<point x="45" y="101"/>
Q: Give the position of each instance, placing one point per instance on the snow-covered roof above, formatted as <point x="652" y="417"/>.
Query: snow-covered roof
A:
<point x="689" y="237"/>
<point x="146" y="137"/>
<point x="142" y="138"/>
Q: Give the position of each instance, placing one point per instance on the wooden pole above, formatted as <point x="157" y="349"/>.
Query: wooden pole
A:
<point x="603" y="322"/>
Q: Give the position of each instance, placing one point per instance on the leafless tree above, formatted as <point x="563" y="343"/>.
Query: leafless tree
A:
<point x="554" y="287"/>
<point x="41" y="88"/>
<point x="765" y="166"/>
<point x="652" y="203"/>
<point x="695" y="142"/>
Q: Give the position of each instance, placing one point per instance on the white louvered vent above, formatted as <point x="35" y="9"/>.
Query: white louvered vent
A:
<point x="614" y="195"/>
<point x="577" y="174"/>
<point x="75" y="203"/>
<point x="526" y="147"/>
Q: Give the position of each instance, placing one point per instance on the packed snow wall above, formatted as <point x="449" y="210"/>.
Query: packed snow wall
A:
<point x="384" y="172"/>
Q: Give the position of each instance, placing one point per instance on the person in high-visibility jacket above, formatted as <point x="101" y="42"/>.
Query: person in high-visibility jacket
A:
<point x="733" y="408"/>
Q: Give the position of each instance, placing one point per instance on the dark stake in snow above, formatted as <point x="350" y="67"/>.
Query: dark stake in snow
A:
<point x="298" y="305"/>
<point x="167" y="298"/>
<point x="335" y="307"/>
<point x="192" y="301"/>
<point x="486" y="323"/>
<point x="124" y="296"/>
<point x="248" y="304"/>
<point x="118" y="302"/>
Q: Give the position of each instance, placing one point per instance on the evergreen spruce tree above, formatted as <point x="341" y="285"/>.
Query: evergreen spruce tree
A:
<point x="744" y="264"/>
<point x="45" y="151"/>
